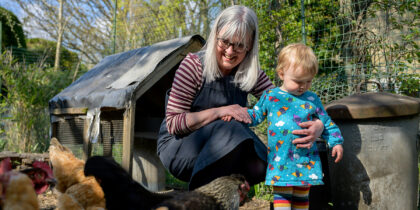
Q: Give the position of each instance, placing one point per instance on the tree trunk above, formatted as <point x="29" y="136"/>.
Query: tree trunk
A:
<point x="59" y="36"/>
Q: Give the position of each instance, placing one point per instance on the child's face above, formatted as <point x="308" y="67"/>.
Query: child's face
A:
<point x="295" y="81"/>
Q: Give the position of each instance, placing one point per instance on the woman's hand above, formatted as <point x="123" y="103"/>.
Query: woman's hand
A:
<point x="227" y="118"/>
<point x="313" y="131"/>
<point x="235" y="111"/>
<point x="196" y="120"/>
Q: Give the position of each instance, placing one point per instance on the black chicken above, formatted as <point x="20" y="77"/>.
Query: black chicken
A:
<point x="122" y="192"/>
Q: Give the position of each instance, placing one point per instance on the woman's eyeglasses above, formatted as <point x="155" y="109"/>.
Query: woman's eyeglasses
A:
<point x="225" y="44"/>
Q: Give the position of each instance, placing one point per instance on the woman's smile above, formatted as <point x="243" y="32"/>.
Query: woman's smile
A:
<point x="229" y="58"/>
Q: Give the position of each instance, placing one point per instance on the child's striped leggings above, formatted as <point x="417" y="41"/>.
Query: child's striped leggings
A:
<point x="291" y="197"/>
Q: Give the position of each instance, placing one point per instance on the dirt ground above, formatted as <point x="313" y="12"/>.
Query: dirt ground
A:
<point x="256" y="204"/>
<point x="48" y="201"/>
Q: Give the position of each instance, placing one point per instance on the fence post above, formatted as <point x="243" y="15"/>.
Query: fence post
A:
<point x="1" y="43"/>
<point x="1" y="33"/>
<point x="302" y="11"/>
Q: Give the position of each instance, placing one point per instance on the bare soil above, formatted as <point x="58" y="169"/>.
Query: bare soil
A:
<point x="48" y="200"/>
<point x="256" y="204"/>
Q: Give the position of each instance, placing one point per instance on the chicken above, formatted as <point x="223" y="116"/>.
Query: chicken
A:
<point x="226" y="191"/>
<point x="229" y="191"/>
<point x="122" y="192"/>
<point x="41" y="175"/>
<point x="189" y="200"/>
<point x="78" y="191"/>
<point x="16" y="189"/>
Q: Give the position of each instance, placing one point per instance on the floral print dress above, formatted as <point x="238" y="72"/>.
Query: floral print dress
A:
<point x="287" y="164"/>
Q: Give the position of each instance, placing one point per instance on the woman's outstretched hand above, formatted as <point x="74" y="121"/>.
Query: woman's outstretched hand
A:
<point x="196" y="120"/>
<point x="310" y="134"/>
<point x="235" y="111"/>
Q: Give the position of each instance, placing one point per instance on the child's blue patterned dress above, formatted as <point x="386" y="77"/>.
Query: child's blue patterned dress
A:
<point x="288" y="165"/>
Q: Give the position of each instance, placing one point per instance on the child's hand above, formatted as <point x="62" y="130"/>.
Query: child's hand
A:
<point x="227" y="118"/>
<point x="337" y="151"/>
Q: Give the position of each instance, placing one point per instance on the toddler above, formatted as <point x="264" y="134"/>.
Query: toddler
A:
<point x="291" y="170"/>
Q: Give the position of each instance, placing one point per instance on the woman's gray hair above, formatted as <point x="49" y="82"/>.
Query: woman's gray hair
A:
<point x="239" y="22"/>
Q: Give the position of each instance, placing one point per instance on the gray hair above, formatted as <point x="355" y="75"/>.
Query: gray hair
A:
<point x="241" y="22"/>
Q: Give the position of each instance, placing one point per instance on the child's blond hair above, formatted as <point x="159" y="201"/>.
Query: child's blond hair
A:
<point x="297" y="55"/>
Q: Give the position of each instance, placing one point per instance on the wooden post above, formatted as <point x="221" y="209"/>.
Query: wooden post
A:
<point x="128" y="137"/>
<point x="54" y="130"/>
<point x="87" y="146"/>
<point x="147" y="167"/>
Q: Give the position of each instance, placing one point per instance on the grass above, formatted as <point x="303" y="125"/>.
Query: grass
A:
<point x="174" y="183"/>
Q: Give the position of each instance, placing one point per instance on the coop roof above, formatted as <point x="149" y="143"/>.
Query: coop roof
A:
<point x="118" y="78"/>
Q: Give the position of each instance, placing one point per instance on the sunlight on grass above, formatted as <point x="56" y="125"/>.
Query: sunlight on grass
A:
<point x="174" y="183"/>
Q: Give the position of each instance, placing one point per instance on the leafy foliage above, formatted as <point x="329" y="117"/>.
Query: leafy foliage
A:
<point x="280" y="23"/>
<point x="23" y="106"/>
<point x="409" y="84"/>
<point x="397" y="45"/>
<point x="12" y="32"/>
<point x="41" y="50"/>
<point x="38" y="46"/>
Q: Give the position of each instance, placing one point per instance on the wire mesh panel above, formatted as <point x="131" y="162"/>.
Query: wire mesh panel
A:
<point x="111" y="136"/>
<point x="69" y="131"/>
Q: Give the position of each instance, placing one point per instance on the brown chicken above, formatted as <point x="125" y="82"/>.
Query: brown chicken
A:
<point x="16" y="189"/>
<point x="78" y="191"/>
<point x="228" y="192"/>
<point x="122" y="192"/>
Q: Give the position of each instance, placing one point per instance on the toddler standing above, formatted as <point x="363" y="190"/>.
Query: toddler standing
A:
<point x="291" y="170"/>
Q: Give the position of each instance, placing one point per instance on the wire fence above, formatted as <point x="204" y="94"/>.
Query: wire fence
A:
<point x="367" y="43"/>
<point x="355" y="41"/>
<point x="45" y="56"/>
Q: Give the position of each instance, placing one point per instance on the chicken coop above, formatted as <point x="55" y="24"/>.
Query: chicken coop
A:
<point x="116" y="108"/>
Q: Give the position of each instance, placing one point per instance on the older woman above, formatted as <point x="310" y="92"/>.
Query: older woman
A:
<point x="194" y="144"/>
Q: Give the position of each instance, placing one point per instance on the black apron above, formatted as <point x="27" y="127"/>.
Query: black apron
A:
<point x="184" y="156"/>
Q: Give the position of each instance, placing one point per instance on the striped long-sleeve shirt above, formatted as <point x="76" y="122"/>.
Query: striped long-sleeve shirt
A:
<point x="187" y="83"/>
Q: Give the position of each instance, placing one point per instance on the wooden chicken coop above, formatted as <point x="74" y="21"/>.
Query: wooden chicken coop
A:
<point x="116" y="108"/>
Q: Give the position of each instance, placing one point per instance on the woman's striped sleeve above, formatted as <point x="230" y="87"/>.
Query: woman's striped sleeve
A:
<point x="263" y="83"/>
<point x="186" y="84"/>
